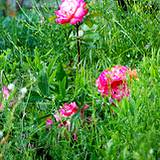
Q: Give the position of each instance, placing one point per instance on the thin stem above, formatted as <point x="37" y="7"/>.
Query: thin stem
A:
<point x="57" y="3"/>
<point x="78" y="44"/>
<point x="1" y="77"/>
<point x="5" y="77"/>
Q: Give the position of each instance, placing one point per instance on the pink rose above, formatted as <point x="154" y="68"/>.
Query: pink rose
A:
<point x="71" y="11"/>
<point x="119" y="89"/>
<point x="68" y="109"/>
<point x="114" y="82"/>
<point x="103" y="81"/>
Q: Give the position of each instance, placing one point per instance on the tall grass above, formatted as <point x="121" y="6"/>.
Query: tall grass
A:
<point x="41" y="55"/>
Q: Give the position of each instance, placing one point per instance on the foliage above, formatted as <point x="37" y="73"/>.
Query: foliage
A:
<point x="41" y="55"/>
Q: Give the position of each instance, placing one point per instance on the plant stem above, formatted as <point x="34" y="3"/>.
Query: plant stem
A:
<point x="5" y="77"/>
<point x="78" y="43"/>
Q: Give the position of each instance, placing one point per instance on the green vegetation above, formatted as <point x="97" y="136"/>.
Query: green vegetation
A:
<point x="41" y="55"/>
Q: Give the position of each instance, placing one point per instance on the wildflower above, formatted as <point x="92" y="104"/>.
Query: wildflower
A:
<point x="1" y="107"/>
<point x="7" y="89"/>
<point x="65" y="112"/>
<point x="80" y="33"/>
<point x="75" y="138"/>
<point x="49" y="122"/>
<point x="133" y="74"/>
<point x="71" y="11"/>
<point x="5" y="92"/>
<point x="23" y="91"/>
<point x="86" y="106"/>
<point x="68" y="109"/>
<point x="103" y="83"/>
<point x="57" y="117"/>
<point x="1" y="134"/>
<point x="114" y="82"/>
<point x="66" y="124"/>
<point x="11" y="86"/>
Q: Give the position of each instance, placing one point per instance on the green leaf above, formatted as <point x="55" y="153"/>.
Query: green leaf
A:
<point x="35" y="97"/>
<point x="2" y="61"/>
<point x="52" y="63"/>
<point x="43" y="82"/>
<point x="60" y="74"/>
<point x="89" y="23"/>
<point x="115" y="109"/>
<point x="132" y="107"/>
<point x="62" y="88"/>
<point x="37" y="59"/>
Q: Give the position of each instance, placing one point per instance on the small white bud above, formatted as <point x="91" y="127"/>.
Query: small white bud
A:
<point x="151" y="151"/>
<point x="1" y="134"/>
<point x="81" y="33"/>
<point x="23" y="91"/>
<point x="11" y="86"/>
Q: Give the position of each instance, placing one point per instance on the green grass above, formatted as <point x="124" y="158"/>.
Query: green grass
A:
<point x="43" y="58"/>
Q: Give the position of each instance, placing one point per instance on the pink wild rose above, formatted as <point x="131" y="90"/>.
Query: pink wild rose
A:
<point x="68" y="109"/>
<point x="114" y="82"/>
<point x="71" y="11"/>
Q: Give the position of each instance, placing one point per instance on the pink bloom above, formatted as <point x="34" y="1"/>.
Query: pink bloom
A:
<point x="66" y="124"/>
<point x="71" y="11"/>
<point x="5" y="92"/>
<point x="49" y="122"/>
<point x="119" y="89"/>
<point x="75" y="138"/>
<point x="1" y="107"/>
<point x="68" y="109"/>
<point x="103" y="82"/>
<point x="119" y="73"/>
<point x="113" y="82"/>
<point x="85" y="107"/>
<point x="57" y="117"/>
